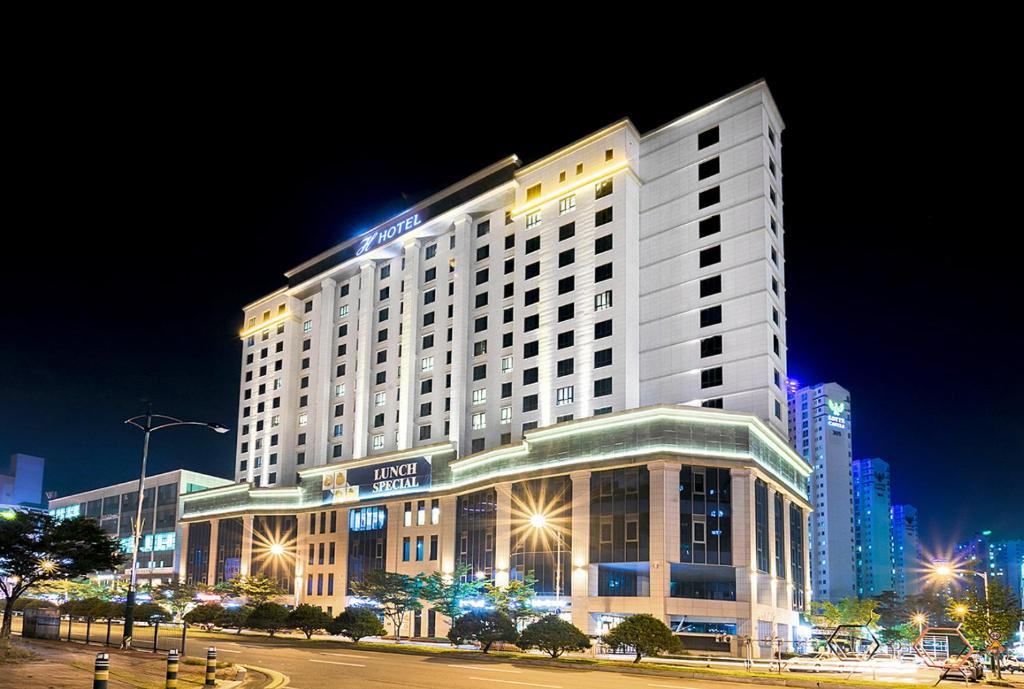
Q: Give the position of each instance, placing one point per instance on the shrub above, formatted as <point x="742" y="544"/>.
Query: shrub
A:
<point x="646" y="634"/>
<point x="308" y="619"/>
<point x="485" y="627"/>
<point x="269" y="617"/>
<point x="205" y="615"/>
<point x="554" y="636"/>
<point x="236" y="617"/>
<point x="357" y="623"/>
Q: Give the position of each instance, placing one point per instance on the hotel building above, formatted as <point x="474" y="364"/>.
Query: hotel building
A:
<point x="598" y="335"/>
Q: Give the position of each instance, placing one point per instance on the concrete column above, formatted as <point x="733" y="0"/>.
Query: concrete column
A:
<point x="321" y="385"/>
<point x="409" y="361"/>
<point x="580" y="549"/>
<point x="245" y="567"/>
<point x="664" y="530"/>
<point x="503" y="534"/>
<point x="181" y="551"/>
<point x="773" y="574"/>
<point x="340" y="567"/>
<point x="744" y="548"/>
<point x="364" y="352"/>
<point x="211" y="576"/>
<point x="448" y="538"/>
<point x="461" y="328"/>
<point x="788" y="551"/>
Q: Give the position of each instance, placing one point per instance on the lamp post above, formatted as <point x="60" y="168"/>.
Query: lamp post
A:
<point x="540" y="522"/>
<point x="148" y="423"/>
<point x="947" y="571"/>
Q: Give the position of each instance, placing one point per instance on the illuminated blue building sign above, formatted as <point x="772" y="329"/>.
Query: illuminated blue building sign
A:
<point x="385" y="235"/>
<point x="836" y="416"/>
<point x="150" y="542"/>
<point x="408" y="475"/>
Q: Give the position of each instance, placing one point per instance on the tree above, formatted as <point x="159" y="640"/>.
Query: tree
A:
<point x="514" y="598"/>
<point x="177" y="596"/>
<point x="896" y="636"/>
<point x="356" y="623"/>
<point x="554" y="636"/>
<point x="269" y="617"/>
<point x="308" y="619"/>
<point x="236" y="617"/>
<point x="151" y="611"/>
<point x="850" y="610"/>
<point x="393" y="593"/>
<point x="206" y="615"/>
<point x="891" y="610"/>
<point x="992" y="619"/>
<point x="35" y="548"/>
<point x="256" y="590"/>
<point x="483" y="626"/>
<point x="445" y="592"/>
<point x="646" y="634"/>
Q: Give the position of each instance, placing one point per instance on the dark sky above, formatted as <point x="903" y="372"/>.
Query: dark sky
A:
<point x="146" y="209"/>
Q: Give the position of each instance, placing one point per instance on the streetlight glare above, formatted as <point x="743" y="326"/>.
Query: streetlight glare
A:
<point x="538" y="521"/>
<point x="277" y="549"/>
<point x="944" y="570"/>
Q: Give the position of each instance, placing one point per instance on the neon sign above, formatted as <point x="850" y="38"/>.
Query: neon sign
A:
<point x="378" y="238"/>
<point x="836" y="418"/>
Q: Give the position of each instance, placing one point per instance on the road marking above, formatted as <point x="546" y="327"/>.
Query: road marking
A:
<point x="488" y="669"/>
<point x="334" y="662"/>
<point x="509" y="681"/>
<point x="346" y="655"/>
<point x="669" y="686"/>
<point x="221" y="649"/>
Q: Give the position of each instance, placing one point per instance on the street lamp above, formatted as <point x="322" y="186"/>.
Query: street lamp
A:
<point x="540" y="522"/>
<point x="919" y="619"/>
<point x="946" y="571"/>
<point x="148" y="423"/>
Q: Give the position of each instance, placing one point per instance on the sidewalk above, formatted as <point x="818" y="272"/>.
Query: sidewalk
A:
<point x="60" y="665"/>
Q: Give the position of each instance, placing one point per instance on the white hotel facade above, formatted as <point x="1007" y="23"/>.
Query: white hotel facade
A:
<point x="598" y="336"/>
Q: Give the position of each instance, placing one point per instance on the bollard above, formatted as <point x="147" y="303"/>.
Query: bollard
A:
<point x="211" y="667"/>
<point x="101" y="673"/>
<point x="172" y="669"/>
<point x="184" y="627"/>
<point x="156" y="634"/>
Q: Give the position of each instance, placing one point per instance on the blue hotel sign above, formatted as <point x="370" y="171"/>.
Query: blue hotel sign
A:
<point x="385" y="235"/>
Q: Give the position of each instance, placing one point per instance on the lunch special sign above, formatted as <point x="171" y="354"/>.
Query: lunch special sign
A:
<point x="377" y="480"/>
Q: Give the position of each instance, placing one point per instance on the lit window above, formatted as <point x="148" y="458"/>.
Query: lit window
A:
<point x="303" y="419"/>
<point x="380" y="399"/>
<point x="564" y="395"/>
<point x="480" y="396"/>
<point x="603" y="300"/>
<point x="307" y="326"/>
<point x="343" y="310"/>
<point x="506" y="364"/>
<point x="479" y="421"/>
<point x="337" y="430"/>
<point x="378" y="441"/>
<point x="567" y="204"/>
<point x="339" y="389"/>
<point x="506" y="415"/>
<point x="275" y="420"/>
<point x="427" y="363"/>
<point x="533" y="219"/>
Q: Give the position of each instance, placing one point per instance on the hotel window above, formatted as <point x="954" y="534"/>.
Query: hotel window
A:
<point x="566" y="339"/>
<point x="530" y="403"/>
<point x="480" y="324"/>
<point x="510" y="241"/>
<point x="480" y="396"/>
<point x="603" y="272"/>
<point x="532" y="270"/>
<point x="561" y="176"/>
<point x="567" y="284"/>
<point x="564" y="396"/>
<point x="385" y="272"/>
<point x="506" y="415"/>
<point x="385" y="293"/>
<point x="506" y="364"/>
<point x="337" y="430"/>
<point x="602" y="387"/>
<point x="421" y="513"/>
<point x="711" y="346"/>
<point x="479" y="421"/>
<point x="405" y="548"/>
<point x="531" y="322"/>
<point x="761" y="524"/>
<point x="378" y="441"/>
<point x="567" y="204"/>
<point x="378" y="420"/>
<point x="482" y="276"/>
<point x="603" y="329"/>
<point x="426" y="408"/>
<point x="533" y="192"/>
<point x="602" y="357"/>
<point x="565" y="367"/>
<point x="275" y="420"/>
<point x="419" y="548"/>
<point x="343" y="330"/>
<point x="567" y="257"/>
<point x="711" y="285"/>
<point x="533" y="219"/>
<point x="303" y="419"/>
<point x="428" y="341"/>
<point x="532" y="245"/>
<point x="483" y="228"/>
<point x="708" y="137"/>
<point x="603" y="300"/>
<point x="715" y="403"/>
<point x="711" y="377"/>
<point x="603" y="216"/>
<point x="483" y="252"/>
<point x="708" y="168"/>
<point x="339" y="389"/>
<point x="530" y="376"/>
<point x="479" y="371"/>
<point x="382" y="315"/>
<point x="430" y="251"/>
<point x="429" y="296"/>
<point x="532" y="296"/>
<point x="710" y="316"/>
<point x="566" y="311"/>
<point x="307" y="326"/>
<point x="603" y="188"/>
<point x="602" y="244"/>
<point x="426" y="386"/>
<point x="566" y="231"/>
<point x="380" y="399"/>
<point x="709" y="197"/>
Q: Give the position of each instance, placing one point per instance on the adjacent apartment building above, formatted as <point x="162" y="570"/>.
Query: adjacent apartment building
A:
<point x="873" y="528"/>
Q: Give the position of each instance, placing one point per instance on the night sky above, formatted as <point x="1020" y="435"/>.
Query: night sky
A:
<point x="144" y="213"/>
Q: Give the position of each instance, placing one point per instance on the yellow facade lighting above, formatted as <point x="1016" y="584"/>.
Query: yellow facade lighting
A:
<point x="563" y="191"/>
<point x="279" y="318"/>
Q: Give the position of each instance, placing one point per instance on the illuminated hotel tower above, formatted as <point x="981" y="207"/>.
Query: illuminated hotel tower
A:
<point x="621" y="271"/>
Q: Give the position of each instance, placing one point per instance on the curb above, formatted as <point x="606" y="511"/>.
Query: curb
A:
<point x="277" y="679"/>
